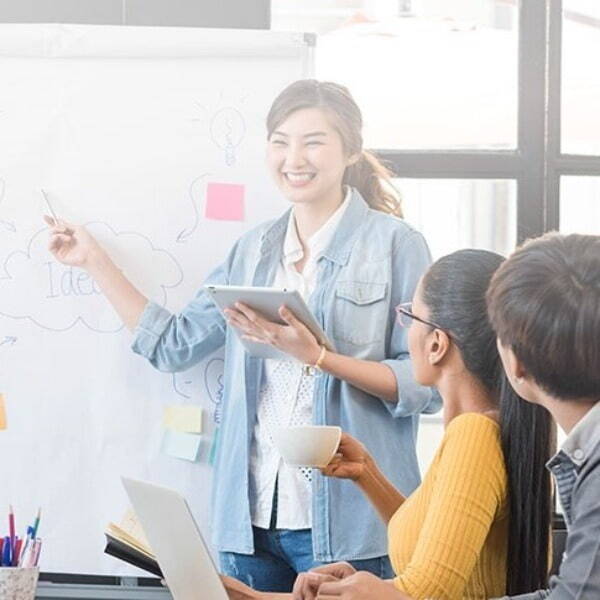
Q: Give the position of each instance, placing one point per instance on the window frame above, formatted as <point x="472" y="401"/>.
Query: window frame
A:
<point x="537" y="163"/>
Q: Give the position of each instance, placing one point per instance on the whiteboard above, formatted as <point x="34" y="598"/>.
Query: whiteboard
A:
<point x="126" y="128"/>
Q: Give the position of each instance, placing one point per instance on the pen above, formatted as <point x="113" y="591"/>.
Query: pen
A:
<point x="33" y="554"/>
<point x="36" y="523"/>
<point x="50" y="207"/>
<point x="17" y="552"/>
<point x="26" y="545"/>
<point x="6" y="558"/>
<point x="38" y="549"/>
<point x="11" y="529"/>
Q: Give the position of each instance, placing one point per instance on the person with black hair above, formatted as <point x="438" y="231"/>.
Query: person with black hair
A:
<point x="484" y="506"/>
<point x="544" y="304"/>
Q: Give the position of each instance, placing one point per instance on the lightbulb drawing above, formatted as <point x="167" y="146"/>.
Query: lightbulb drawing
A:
<point x="227" y="130"/>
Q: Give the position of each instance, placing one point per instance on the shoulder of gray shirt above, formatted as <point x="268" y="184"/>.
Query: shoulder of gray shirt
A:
<point x="588" y="495"/>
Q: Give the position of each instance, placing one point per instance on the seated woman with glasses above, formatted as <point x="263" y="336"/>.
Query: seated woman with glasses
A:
<point x="478" y="525"/>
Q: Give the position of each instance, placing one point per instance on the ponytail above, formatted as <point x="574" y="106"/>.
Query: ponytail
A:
<point x="454" y="290"/>
<point x="369" y="176"/>
<point x="527" y="439"/>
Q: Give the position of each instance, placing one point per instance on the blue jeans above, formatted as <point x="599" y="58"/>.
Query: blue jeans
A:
<point x="279" y="555"/>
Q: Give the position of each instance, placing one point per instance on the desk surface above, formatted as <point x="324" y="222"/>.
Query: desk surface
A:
<point x="60" y="586"/>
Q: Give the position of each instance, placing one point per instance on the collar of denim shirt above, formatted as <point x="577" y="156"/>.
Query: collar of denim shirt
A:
<point x="340" y="246"/>
<point x="584" y="437"/>
<point x="319" y="240"/>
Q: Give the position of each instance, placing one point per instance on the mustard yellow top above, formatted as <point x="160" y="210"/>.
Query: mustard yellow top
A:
<point x="448" y="540"/>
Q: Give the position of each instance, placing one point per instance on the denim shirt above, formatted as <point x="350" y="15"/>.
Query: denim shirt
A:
<point x="373" y="263"/>
<point x="576" y="469"/>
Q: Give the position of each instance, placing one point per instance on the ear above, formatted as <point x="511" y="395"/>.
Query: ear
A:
<point x="517" y="374"/>
<point x="515" y="371"/>
<point x="438" y="347"/>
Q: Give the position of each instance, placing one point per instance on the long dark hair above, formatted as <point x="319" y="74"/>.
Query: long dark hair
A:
<point x="454" y="290"/>
<point x="368" y="175"/>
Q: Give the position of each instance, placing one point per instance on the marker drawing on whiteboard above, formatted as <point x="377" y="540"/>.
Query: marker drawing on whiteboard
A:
<point x="9" y="340"/>
<point x="213" y="382"/>
<point x="203" y="109"/>
<point x="195" y="195"/>
<point x="176" y="388"/>
<point x="8" y="225"/>
<point x="227" y="130"/>
<point x="66" y="295"/>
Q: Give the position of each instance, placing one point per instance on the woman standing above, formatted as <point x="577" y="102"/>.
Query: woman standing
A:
<point x="343" y="247"/>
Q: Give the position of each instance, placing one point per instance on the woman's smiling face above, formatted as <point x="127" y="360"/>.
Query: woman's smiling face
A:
<point x="306" y="156"/>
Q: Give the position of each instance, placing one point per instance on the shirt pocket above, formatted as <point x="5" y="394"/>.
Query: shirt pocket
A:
<point x="360" y="312"/>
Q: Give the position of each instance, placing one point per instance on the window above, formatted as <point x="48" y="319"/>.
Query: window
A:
<point x="426" y="74"/>
<point x="485" y="110"/>
<point x="461" y="213"/>
<point x="580" y="77"/>
<point x="580" y="205"/>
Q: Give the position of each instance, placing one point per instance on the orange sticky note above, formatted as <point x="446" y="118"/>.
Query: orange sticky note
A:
<point x="2" y="413"/>
<point x="225" y="201"/>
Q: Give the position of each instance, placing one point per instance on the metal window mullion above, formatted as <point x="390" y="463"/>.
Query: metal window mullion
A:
<point x="575" y="164"/>
<point x="531" y="191"/>
<point x="554" y="114"/>
<point x="451" y="164"/>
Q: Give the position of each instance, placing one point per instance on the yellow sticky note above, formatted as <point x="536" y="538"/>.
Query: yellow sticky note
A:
<point x="2" y="413"/>
<point x="183" y="418"/>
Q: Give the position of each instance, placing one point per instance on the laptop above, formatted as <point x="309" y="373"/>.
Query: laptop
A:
<point x="176" y="541"/>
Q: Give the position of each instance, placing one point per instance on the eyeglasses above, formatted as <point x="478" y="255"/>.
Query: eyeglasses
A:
<point x="406" y="316"/>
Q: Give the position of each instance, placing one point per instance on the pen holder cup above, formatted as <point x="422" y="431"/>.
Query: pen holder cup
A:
<point x="18" y="583"/>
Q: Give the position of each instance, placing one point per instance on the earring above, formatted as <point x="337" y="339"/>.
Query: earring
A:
<point x="520" y="380"/>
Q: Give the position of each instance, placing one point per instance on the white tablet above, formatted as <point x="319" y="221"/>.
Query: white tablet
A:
<point x="267" y="301"/>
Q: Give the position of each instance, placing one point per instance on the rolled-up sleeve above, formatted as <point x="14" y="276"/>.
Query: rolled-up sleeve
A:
<point x="411" y="259"/>
<point x="176" y="342"/>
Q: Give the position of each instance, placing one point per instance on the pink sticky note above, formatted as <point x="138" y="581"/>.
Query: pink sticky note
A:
<point x="225" y="201"/>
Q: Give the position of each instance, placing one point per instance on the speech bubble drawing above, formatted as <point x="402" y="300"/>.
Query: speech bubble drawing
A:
<point x="56" y="297"/>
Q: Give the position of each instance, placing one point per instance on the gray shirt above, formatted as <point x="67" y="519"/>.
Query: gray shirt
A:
<point x="576" y="469"/>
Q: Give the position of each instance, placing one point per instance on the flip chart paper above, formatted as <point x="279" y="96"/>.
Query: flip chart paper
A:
<point x="181" y="445"/>
<point x="225" y="201"/>
<point x="183" y="418"/>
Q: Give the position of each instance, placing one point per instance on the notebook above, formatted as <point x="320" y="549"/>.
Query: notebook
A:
<point x="127" y="541"/>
